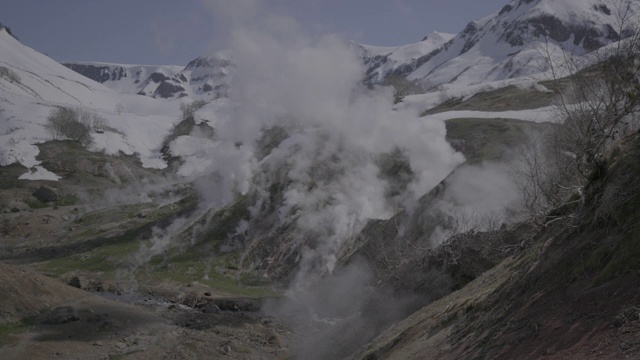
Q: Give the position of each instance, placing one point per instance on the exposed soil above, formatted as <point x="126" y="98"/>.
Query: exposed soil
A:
<point x="148" y="328"/>
<point x="571" y="293"/>
<point x="88" y="245"/>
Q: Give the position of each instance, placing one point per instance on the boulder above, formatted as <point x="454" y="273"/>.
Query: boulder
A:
<point x="210" y="308"/>
<point x="61" y="315"/>
<point x="45" y="194"/>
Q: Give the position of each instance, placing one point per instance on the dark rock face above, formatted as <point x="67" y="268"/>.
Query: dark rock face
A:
<point x="210" y="62"/>
<point x="45" y="194"/>
<point x="97" y="73"/>
<point x="75" y="282"/>
<point x="157" y="77"/>
<point x="591" y="37"/>
<point x="167" y="90"/>
<point x="560" y="32"/>
<point x="524" y="2"/>
<point x="603" y="9"/>
<point x="505" y="9"/>
<point x="207" y="87"/>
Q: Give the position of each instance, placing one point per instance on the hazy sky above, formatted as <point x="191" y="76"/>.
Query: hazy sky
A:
<point x="175" y="32"/>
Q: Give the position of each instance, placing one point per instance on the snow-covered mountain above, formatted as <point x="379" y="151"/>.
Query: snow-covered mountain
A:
<point x="382" y="61"/>
<point x="32" y="85"/>
<point x="509" y="43"/>
<point x="202" y="78"/>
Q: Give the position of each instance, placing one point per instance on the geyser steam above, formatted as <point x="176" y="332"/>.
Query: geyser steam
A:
<point x="336" y="133"/>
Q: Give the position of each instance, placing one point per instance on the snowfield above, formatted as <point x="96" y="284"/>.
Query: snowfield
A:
<point x="140" y="123"/>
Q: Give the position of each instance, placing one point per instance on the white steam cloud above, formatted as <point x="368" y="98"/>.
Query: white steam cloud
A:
<point x="478" y="197"/>
<point x="336" y="131"/>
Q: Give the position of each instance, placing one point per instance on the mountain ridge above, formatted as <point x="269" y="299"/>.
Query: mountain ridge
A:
<point x="503" y="45"/>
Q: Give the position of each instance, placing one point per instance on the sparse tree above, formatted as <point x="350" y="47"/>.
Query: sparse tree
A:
<point x="73" y="124"/>
<point x="600" y="104"/>
<point x="540" y="175"/>
<point x="99" y="124"/>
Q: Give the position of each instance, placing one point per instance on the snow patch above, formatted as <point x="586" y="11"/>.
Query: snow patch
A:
<point x="39" y="173"/>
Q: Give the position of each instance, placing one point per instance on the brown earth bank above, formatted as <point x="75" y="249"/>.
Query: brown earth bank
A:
<point x="42" y="318"/>
<point x="67" y="288"/>
<point x="572" y="293"/>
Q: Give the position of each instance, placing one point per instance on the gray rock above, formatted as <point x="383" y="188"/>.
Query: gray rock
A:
<point x="45" y="194"/>
<point x="61" y="315"/>
<point x="210" y="308"/>
<point x="75" y="282"/>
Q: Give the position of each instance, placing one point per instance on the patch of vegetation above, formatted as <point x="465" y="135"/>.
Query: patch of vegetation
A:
<point x="105" y="259"/>
<point x="64" y="122"/>
<point x="98" y="243"/>
<point x="193" y="266"/>
<point x="64" y="200"/>
<point x="9" y="176"/>
<point x="226" y="220"/>
<point x="8" y="330"/>
<point x="487" y="139"/>
<point x="503" y="99"/>
<point x="72" y="161"/>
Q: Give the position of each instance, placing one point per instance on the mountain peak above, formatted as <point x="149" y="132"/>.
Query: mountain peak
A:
<point x="5" y="29"/>
<point x="503" y="45"/>
<point x="438" y="36"/>
<point x="213" y="61"/>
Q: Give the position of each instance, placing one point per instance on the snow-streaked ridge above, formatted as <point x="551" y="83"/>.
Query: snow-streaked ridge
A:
<point x="204" y="78"/>
<point x="140" y="123"/>
<point x="508" y="43"/>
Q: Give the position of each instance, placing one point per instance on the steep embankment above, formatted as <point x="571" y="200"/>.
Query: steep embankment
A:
<point x="571" y="292"/>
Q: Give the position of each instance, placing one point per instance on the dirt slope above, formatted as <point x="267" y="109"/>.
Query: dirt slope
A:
<point x="573" y="293"/>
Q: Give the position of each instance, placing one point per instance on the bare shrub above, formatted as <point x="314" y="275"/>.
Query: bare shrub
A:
<point x="600" y="105"/>
<point x="602" y="101"/>
<point x="539" y="172"/>
<point x="73" y="124"/>
<point x="99" y="124"/>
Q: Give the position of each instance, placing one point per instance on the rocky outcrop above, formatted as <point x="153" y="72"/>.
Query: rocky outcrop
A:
<point x="45" y="194"/>
<point x="204" y="77"/>
<point x="61" y="315"/>
<point x="99" y="73"/>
